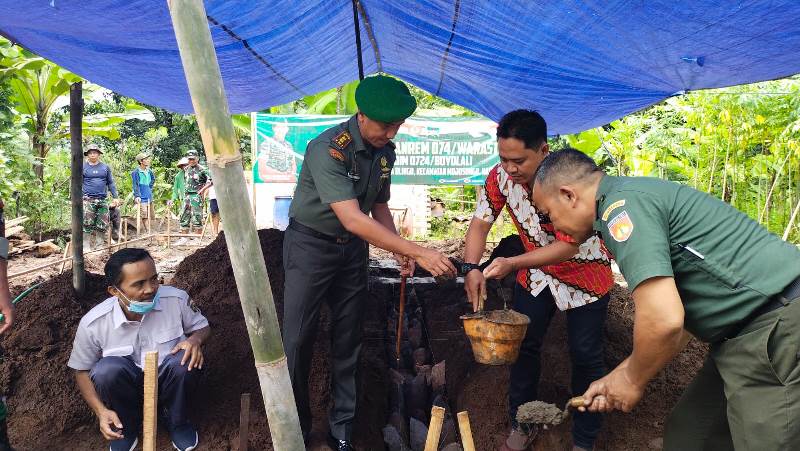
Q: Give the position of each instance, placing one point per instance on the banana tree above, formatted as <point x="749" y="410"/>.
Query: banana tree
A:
<point x="37" y="84"/>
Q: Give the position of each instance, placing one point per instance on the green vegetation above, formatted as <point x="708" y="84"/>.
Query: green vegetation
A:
<point x="740" y="144"/>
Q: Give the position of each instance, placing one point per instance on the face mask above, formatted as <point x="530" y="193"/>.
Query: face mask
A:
<point x="141" y="307"/>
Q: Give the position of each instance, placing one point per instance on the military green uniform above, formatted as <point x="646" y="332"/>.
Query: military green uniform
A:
<point x="324" y="262"/>
<point x="739" y="287"/>
<point x="195" y="178"/>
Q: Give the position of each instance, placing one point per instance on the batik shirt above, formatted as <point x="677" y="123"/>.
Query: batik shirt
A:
<point x="584" y="278"/>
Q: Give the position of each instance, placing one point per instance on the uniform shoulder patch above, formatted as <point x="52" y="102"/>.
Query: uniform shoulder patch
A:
<point x="336" y="154"/>
<point x="342" y="140"/>
<point x="612" y="207"/>
<point x="621" y="227"/>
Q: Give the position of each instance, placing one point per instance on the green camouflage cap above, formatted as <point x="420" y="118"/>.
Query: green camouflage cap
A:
<point x="385" y="99"/>
<point x="191" y="153"/>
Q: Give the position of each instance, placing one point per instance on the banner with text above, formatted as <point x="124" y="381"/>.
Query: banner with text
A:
<point x="430" y="151"/>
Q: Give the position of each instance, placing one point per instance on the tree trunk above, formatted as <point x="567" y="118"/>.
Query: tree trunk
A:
<point x="76" y="187"/>
<point x="225" y="161"/>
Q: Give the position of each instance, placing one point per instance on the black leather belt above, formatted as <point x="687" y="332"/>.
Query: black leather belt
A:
<point x="789" y="294"/>
<point x="294" y="225"/>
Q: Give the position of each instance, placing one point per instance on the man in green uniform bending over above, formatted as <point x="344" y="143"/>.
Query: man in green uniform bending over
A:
<point x="696" y="266"/>
<point x="345" y="178"/>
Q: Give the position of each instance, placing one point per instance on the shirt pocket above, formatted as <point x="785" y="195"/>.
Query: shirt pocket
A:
<point x="697" y="260"/>
<point x="118" y="351"/>
<point x="166" y="339"/>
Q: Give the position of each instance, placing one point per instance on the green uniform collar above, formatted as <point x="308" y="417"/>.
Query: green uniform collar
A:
<point x="358" y="142"/>
<point x="606" y="185"/>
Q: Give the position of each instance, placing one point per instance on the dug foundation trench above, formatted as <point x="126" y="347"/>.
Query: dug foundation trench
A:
<point x="47" y="413"/>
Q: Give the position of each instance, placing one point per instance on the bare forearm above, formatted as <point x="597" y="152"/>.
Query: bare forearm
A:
<point x="88" y="391"/>
<point x="658" y="333"/>
<point x="554" y="253"/>
<point x="652" y="350"/>
<point x="201" y="335"/>
<point x="476" y="240"/>
<point x="383" y="215"/>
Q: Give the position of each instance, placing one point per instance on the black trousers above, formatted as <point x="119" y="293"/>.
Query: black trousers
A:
<point x="120" y="384"/>
<point x="585" y="338"/>
<point x="318" y="270"/>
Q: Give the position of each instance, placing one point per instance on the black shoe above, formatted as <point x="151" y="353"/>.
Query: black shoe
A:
<point x="339" y="445"/>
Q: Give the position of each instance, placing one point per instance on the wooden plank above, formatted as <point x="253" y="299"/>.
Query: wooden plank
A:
<point x="16" y="221"/>
<point x="11" y="231"/>
<point x="150" y="414"/>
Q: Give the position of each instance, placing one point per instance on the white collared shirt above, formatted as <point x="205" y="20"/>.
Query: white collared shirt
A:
<point x="105" y="331"/>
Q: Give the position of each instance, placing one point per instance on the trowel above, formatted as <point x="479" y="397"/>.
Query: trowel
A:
<point x="545" y="414"/>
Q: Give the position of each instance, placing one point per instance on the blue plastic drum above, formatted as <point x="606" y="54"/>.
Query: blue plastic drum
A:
<point x="280" y="212"/>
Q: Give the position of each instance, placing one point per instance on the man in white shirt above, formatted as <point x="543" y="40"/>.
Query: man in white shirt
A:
<point x="113" y="338"/>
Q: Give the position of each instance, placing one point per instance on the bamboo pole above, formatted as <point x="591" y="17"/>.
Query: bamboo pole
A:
<point x="150" y="417"/>
<point x="225" y="162"/>
<point x="435" y="429"/>
<point x="76" y="186"/>
<point x="466" y="431"/>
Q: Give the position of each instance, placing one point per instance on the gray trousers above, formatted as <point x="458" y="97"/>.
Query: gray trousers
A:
<point x="318" y="270"/>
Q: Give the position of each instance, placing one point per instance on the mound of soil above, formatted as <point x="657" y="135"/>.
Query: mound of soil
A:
<point x="46" y="408"/>
<point x="44" y="404"/>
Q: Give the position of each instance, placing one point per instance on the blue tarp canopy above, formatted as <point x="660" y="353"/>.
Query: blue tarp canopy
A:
<point x="580" y="63"/>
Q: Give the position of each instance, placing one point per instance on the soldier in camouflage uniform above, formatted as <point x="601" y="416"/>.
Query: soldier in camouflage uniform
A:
<point x="7" y="309"/>
<point x="276" y="161"/>
<point x="196" y="178"/>
<point x="97" y="182"/>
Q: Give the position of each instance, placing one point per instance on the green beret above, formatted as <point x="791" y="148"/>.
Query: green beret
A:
<point x="384" y="99"/>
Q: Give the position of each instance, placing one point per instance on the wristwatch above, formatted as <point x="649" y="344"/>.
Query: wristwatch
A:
<point x="467" y="267"/>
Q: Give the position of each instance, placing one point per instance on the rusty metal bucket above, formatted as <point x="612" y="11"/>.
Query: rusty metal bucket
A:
<point x="495" y="335"/>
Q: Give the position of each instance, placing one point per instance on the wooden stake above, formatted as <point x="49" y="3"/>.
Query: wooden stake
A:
<point x="64" y="263"/>
<point x="244" y="422"/>
<point x="205" y="225"/>
<point x="150" y="416"/>
<point x="138" y="219"/>
<point x="466" y="431"/>
<point x="108" y="238"/>
<point x="169" y="226"/>
<point x="434" y="429"/>
<point x="400" y="313"/>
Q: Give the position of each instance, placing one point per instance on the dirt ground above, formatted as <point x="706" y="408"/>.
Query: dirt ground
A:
<point x="45" y="407"/>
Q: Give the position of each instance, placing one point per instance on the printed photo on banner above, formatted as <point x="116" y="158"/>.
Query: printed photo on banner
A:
<point x="430" y="150"/>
